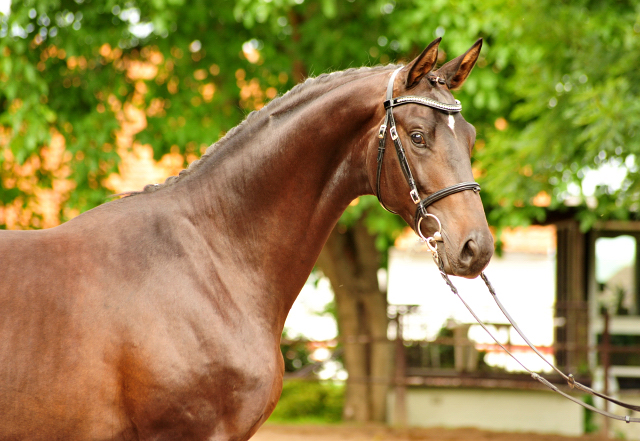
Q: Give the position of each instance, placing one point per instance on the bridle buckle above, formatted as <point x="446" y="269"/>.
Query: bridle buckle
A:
<point x="415" y="197"/>
<point x="383" y="129"/>
<point x="393" y="132"/>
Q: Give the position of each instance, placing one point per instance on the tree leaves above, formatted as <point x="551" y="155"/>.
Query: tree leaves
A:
<point x="561" y="78"/>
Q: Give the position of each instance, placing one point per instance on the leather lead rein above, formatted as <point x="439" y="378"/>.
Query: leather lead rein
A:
<point x="568" y="378"/>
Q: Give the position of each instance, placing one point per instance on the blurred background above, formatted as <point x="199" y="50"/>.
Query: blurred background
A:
<point x="102" y="97"/>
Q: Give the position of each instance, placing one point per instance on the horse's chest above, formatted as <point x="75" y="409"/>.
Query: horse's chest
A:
<point x="227" y="394"/>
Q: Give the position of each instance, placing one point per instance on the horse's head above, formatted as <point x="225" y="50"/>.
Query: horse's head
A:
<point x="437" y="144"/>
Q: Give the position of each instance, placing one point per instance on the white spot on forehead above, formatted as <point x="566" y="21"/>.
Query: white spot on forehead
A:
<point x="452" y="124"/>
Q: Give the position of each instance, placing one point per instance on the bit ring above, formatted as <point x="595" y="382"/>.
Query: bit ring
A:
<point x="432" y="242"/>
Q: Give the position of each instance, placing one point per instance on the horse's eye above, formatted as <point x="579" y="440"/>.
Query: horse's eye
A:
<point x="418" y="139"/>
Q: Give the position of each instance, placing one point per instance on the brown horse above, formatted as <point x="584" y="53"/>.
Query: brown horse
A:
<point x="158" y="316"/>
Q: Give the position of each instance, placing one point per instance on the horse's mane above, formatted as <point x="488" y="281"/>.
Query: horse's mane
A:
<point x="304" y="92"/>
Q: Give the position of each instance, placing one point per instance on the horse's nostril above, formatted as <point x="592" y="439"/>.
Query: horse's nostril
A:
<point x="469" y="251"/>
<point x="474" y="255"/>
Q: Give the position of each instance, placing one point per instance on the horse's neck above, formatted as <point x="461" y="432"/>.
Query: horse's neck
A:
<point x="273" y="195"/>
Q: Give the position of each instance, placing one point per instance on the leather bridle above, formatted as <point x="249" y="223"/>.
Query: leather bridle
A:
<point x="390" y="123"/>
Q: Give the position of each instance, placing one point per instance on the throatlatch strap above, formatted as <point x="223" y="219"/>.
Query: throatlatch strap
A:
<point x="382" y="135"/>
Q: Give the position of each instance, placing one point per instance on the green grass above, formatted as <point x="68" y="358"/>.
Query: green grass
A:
<point x="309" y="402"/>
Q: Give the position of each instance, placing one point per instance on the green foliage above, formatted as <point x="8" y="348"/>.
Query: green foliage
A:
<point x="561" y="76"/>
<point x="379" y="222"/>
<point x="590" y="418"/>
<point x="573" y="86"/>
<point x="309" y="401"/>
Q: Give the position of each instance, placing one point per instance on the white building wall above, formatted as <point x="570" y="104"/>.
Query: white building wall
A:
<point x="525" y="284"/>
<point x="496" y="410"/>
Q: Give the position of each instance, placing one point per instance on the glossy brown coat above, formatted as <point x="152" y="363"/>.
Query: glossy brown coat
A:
<point x="158" y="316"/>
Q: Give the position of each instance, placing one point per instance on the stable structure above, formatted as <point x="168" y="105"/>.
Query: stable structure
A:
<point x="598" y="310"/>
<point x="575" y="294"/>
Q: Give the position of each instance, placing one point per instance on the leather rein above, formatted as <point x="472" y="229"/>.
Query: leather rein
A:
<point x="432" y="242"/>
<point x="573" y="384"/>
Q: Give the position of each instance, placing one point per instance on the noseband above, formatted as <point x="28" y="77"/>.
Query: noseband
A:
<point x="389" y="121"/>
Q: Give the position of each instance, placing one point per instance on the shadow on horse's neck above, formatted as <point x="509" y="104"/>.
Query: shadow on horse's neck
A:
<point x="272" y="190"/>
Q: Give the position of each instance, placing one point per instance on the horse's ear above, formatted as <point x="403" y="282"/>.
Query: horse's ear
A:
<point x="456" y="71"/>
<point x="422" y="65"/>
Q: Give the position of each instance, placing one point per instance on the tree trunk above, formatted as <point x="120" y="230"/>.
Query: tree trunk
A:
<point x="351" y="261"/>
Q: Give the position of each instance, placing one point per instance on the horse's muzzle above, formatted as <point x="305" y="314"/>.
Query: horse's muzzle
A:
<point x="472" y="257"/>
